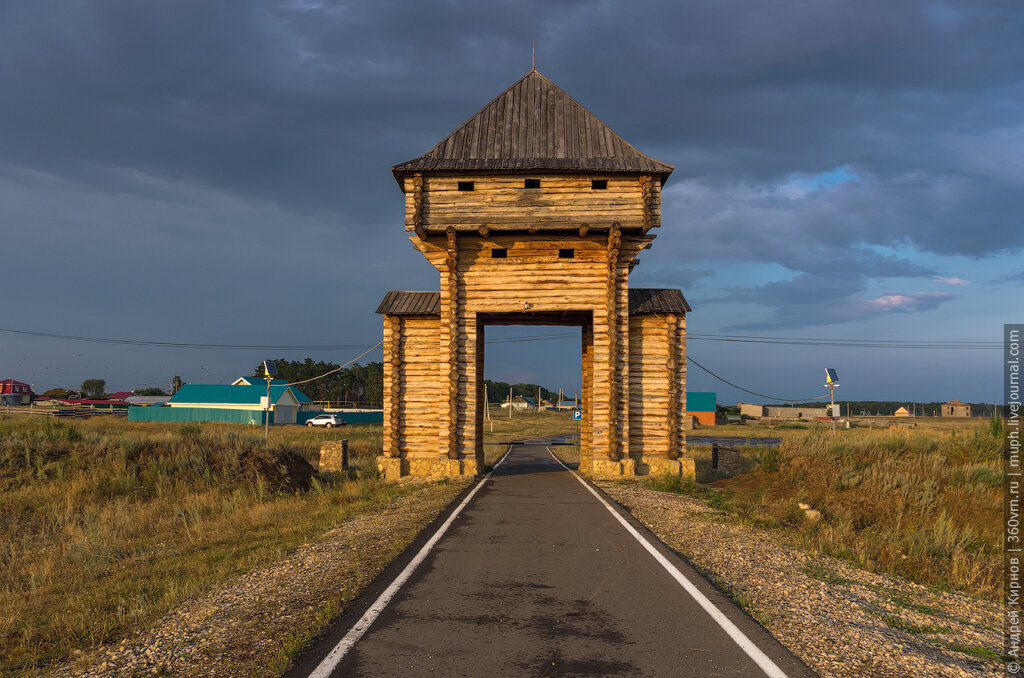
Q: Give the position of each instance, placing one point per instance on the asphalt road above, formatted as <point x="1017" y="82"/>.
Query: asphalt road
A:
<point x="536" y="577"/>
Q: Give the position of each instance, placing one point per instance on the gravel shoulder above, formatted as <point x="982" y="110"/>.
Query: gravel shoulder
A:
<point x="840" y="620"/>
<point x="254" y="624"/>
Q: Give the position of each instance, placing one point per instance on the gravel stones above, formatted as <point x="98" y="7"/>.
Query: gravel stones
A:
<point x="840" y="620"/>
<point x="248" y="626"/>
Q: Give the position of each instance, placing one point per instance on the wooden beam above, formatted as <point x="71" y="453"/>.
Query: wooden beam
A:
<point x="671" y="365"/>
<point x="612" y="299"/>
<point x="397" y="365"/>
<point x="646" y="193"/>
<point x="417" y="203"/>
<point x="452" y="266"/>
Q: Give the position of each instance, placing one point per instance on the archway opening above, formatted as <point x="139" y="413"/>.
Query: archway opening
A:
<point x="552" y="350"/>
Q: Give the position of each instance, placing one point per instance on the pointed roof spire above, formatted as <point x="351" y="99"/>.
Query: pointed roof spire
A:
<point x="533" y="59"/>
<point x="534" y="125"/>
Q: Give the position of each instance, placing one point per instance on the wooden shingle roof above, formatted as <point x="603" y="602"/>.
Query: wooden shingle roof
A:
<point x="410" y="303"/>
<point x="642" y="301"/>
<point x="534" y="125"/>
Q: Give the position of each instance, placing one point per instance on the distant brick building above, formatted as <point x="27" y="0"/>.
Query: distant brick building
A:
<point x="955" y="408"/>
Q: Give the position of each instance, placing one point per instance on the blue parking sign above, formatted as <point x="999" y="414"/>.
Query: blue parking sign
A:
<point x="577" y="414"/>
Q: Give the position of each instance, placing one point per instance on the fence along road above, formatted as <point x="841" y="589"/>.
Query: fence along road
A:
<point x="536" y="574"/>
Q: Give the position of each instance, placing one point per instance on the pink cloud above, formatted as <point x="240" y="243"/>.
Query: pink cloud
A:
<point x="919" y="301"/>
<point x="953" y="281"/>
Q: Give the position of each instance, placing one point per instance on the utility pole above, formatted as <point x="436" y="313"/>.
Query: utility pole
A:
<point x="509" y="402"/>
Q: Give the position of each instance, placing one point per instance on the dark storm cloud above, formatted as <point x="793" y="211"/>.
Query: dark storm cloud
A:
<point x="819" y="300"/>
<point x="203" y="148"/>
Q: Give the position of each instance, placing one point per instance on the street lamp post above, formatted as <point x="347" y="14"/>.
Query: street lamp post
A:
<point x="269" y="372"/>
<point x="832" y="383"/>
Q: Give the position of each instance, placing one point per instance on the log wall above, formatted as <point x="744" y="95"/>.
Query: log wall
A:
<point x="657" y="376"/>
<point x="500" y="202"/>
<point x="411" y="389"/>
<point x="633" y="369"/>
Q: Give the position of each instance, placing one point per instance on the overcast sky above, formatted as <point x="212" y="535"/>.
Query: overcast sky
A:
<point x="217" y="172"/>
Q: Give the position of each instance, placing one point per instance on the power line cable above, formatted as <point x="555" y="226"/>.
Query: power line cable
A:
<point x="177" y="344"/>
<point x="339" y="368"/>
<point x="856" y="343"/>
<point x="745" y="390"/>
<point x="751" y="339"/>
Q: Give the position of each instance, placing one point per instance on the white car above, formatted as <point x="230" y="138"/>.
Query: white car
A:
<point x="325" y="420"/>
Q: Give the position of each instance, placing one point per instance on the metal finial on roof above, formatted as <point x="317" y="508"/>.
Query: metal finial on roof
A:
<point x="533" y="60"/>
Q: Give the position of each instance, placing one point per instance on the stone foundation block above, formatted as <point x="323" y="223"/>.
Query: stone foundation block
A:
<point x="391" y="468"/>
<point x="607" y="468"/>
<point x="333" y="456"/>
<point x="425" y="468"/>
<point x="679" y="468"/>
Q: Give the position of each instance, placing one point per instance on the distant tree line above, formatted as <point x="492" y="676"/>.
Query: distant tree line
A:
<point x="497" y="391"/>
<point x="359" y="384"/>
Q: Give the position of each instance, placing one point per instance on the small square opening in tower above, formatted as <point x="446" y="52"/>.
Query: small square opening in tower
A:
<point x="531" y="183"/>
<point x="465" y="185"/>
<point x="599" y="184"/>
<point x="567" y="253"/>
<point x="499" y="253"/>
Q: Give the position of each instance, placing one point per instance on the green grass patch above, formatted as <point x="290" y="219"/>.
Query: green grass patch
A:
<point x="820" y="572"/>
<point x="910" y="627"/>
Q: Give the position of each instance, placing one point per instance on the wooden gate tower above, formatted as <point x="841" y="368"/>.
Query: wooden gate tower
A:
<point x="534" y="213"/>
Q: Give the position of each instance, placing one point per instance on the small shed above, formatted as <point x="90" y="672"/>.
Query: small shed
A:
<point x="902" y="412"/>
<point x="15" y="392"/>
<point x="751" y="410"/>
<point x="700" y="407"/>
<point x="956" y="408"/>
<point x="521" y="403"/>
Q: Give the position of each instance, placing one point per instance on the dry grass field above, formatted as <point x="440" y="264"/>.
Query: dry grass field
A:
<point x="106" y="524"/>
<point x="921" y="504"/>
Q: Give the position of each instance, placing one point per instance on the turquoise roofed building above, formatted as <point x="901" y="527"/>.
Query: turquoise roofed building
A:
<point x="305" y="402"/>
<point x="237" y="403"/>
<point x="283" y="406"/>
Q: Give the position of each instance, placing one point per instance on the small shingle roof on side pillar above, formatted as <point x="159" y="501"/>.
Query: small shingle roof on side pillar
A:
<point x="534" y="125"/>
<point x="400" y="302"/>
<point x="642" y="301"/>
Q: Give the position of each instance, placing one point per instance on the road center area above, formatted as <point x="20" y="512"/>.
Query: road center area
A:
<point x="536" y="577"/>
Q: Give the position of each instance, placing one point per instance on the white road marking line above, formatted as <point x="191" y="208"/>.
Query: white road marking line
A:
<point x="753" y="651"/>
<point x="334" y="657"/>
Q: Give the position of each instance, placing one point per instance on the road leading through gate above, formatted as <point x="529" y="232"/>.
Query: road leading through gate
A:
<point x="536" y="574"/>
